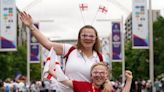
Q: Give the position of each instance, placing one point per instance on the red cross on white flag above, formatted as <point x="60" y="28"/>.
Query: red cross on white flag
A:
<point x="103" y="9"/>
<point x="83" y="6"/>
<point x="50" y="63"/>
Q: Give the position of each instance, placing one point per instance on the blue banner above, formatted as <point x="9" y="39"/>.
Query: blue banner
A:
<point x="34" y="49"/>
<point x="116" y="42"/>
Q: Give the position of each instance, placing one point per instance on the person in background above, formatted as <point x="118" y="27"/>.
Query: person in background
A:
<point x="81" y="59"/>
<point x="1" y="86"/>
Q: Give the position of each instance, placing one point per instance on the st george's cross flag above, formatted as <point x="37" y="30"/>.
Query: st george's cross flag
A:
<point x="50" y="63"/>
<point x="83" y="6"/>
<point x="53" y="63"/>
<point x="103" y="9"/>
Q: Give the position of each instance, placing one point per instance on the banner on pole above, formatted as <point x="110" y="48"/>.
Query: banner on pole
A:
<point x="34" y="48"/>
<point x="140" y="37"/>
<point x="8" y="27"/>
<point x="106" y="49"/>
<point x="116" y="41"/>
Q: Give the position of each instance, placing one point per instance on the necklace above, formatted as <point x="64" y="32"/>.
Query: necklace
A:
<point x="83" y="57"/>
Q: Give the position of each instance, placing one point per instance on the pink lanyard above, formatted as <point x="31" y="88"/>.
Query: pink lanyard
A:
<point x="93" y="88"/>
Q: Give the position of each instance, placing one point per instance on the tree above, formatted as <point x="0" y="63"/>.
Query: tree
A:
<point x="158" y="31"/>
<point x="13" y="62"/>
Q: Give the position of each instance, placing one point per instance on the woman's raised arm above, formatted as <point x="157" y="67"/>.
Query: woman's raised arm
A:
<point x="27" y="20"/>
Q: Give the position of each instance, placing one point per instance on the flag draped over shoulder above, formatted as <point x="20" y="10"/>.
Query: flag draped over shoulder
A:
<point x="50" y="63"/>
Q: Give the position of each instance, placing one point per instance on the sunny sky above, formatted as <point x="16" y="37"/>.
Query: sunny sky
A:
<point x="62" y="19"/>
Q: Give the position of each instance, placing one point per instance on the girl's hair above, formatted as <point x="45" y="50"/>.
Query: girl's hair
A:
<point x="100" y="63"/>
<point x="96" y="46"/>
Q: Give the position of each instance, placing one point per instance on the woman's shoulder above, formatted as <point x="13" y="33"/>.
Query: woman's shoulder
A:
<point x="68" y="48"/>
<point x="66" y="45"/>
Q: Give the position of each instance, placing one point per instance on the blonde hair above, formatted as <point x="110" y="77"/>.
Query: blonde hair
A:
<point x="100" y="63"/>
<point x="96" y="46"/>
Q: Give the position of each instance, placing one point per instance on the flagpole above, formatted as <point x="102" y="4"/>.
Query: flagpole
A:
<point x="82" y="17"/>
<point x="123" y="52"/>
<point x="94" y="18"/>
<point x="28" y="56"/>
<point x="151" y="52"/>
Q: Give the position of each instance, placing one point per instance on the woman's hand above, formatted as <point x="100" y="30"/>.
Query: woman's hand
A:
<point x="107" y="86"/>
<point x="26" y="19"/>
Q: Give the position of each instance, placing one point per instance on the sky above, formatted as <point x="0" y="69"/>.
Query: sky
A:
<point x="62" y="19"/>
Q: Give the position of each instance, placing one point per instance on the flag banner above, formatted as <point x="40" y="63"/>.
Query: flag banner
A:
<point x="44" y="54"/>
<point x="50" y="63"/>
<point x="103" y="9"/>
<point x="116" y="42"/>
<point x="53" y="63"/>
<point x="83" y="6"/>
<point x="34" y="48"/>
<point x="140" y="35"/>
<point x="106" y="50"/>
<point x="8" y="25"/>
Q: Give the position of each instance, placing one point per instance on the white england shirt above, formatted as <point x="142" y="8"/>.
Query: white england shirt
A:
<point x="78" y="65"/>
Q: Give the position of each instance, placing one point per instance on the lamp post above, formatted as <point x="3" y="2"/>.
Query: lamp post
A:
<point x="28" y="49"/>
<point x="151" y="51"/>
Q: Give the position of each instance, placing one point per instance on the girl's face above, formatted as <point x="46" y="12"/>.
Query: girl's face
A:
<point x="99" y="75"/>
<point x="88" y="38"/>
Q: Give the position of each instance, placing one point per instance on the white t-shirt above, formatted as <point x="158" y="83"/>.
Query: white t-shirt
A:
<point x="78" y="65"/>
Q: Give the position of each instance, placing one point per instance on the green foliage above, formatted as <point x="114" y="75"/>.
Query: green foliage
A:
<point x="136" y="60"/>
<point x="158" y="46"/>
<point x="35" y="71"/>
<point x="13" y="62"/>
<point x="116" y="70"/>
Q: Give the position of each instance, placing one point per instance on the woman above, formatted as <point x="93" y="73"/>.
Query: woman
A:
<point x="99" y="74"/>
<point x="81" y="59"/>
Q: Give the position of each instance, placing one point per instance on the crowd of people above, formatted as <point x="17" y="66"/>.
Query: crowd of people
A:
<point x="146" y="85"/>
<point x="21" y="86"/>
<point x="47" y="86"/>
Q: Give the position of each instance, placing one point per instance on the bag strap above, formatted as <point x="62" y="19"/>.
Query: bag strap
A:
<point x="73" y="48"/>
<point x="100" y="56"/>
<point x="69" y="51"/>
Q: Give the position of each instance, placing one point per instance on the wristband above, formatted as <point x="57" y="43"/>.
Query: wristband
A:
<point x="32" y="27"/>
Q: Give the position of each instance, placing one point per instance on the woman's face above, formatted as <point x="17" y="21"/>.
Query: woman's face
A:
<point x="88" y="38"/>
<point x="99" y="75"/>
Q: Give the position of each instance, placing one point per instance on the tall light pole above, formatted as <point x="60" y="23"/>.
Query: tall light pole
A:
<point x="151" y="51"/>
<point x="28" y="49"/>
<point x="28" y="54"/>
